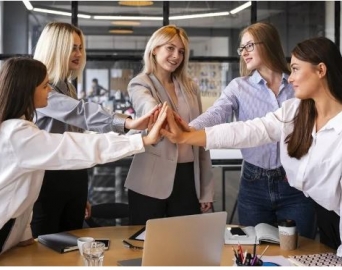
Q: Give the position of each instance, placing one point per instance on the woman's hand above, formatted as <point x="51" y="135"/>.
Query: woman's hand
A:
<point x="175" y="128"/>
<point x="26" y="243"/>
<point x="205" y="207"/>
<point x="87" y="210"/>
<point x="155" y="125"/>
<point x="181" y="123"/>
<point x="179" y="132"/>
<point x="142" y="122"/>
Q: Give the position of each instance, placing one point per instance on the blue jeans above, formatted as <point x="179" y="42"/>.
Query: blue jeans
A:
<point x="265" y="196"/>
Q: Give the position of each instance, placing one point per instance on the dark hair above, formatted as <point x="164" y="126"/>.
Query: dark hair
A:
<point x="19" y="78"/>
<point x="314" y="50"/>
<point x="95" y="80"/>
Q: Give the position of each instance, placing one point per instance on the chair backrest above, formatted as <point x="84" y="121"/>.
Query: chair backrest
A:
<point x="107" y="211"/>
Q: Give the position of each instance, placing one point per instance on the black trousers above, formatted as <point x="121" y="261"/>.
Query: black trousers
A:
<point x="61" y="202"/>
<point x="5" y="231"/>
<point x="182" y="201"/>
<point x="328" y="224"/>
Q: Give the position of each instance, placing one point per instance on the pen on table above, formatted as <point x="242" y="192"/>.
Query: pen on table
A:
<point x="235" y="254"/>
<point x="129" y="245"/>
<point x="244" y="257"/>
<point x="262" y="254"/>
<point x="254" y="248"/>
<point x="254" y="252"/>
<point x="240" y="252"/>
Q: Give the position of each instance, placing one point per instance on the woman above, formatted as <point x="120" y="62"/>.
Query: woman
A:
<point x="308" y="129"/>
<point x="264" y="192"/>
<point x="27" y="151"/>
<point x="169" y="179"/>
<point x="62" y="200"/>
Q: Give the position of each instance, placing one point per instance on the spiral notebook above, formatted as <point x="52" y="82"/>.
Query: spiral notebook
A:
<point x="322" y="259"/>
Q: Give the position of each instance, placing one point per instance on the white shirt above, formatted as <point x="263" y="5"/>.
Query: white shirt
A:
<point x="317" y="174"/>
<point x="27" y="151"/>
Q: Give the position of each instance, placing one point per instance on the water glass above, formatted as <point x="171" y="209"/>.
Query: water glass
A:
<point x="93" y="253"/>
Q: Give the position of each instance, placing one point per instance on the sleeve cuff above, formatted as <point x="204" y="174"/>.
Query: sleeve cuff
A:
<point x="119" y="122"/>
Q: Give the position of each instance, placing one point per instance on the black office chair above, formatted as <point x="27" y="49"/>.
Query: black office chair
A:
<point x="108" y="211"/>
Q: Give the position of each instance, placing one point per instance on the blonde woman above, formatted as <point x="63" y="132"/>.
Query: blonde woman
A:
<point x="169" y="179"/>
<point x="265" y="195"/>
<point x="62" y="201"/>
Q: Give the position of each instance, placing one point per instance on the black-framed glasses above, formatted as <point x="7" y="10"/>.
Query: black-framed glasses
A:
<point x="248" y="47"/>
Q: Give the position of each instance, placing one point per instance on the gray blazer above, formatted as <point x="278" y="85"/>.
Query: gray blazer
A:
<point x="64" y="113"/>
<point x="152" y="173"/>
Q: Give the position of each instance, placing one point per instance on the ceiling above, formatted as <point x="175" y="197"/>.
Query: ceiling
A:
<point x="214" y="26"/>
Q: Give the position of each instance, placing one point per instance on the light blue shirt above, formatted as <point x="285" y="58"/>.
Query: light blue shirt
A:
<point x="247" y="98"/>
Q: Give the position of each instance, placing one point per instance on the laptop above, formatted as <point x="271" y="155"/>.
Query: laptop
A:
<point x="194" y="240"/>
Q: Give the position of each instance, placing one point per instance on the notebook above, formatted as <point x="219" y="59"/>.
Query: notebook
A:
<point x="260" y="233"/>
<point x="195" y="240"/>
<point x="60" y="242"/>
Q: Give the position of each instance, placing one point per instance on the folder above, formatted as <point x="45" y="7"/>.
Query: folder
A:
<point x="61" y="242"/>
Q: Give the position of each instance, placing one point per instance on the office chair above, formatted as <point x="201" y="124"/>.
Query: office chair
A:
<point x="107" y="211"/>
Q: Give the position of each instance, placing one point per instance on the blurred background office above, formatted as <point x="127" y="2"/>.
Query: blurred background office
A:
<point x="116" y="34"/>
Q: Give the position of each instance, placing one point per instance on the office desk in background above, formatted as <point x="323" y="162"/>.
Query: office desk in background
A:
<point x="229" y="160"/>
<point x="39" y="255"/>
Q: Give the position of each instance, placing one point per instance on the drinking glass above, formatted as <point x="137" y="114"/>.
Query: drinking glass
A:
<point x="93" y="253"/>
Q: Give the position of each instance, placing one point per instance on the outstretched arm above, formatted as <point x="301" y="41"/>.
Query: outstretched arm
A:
<point x="178" y="132"/>
<point x="142" y="122"/>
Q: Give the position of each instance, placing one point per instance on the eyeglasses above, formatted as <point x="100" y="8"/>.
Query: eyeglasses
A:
<point x="248" y="47"/>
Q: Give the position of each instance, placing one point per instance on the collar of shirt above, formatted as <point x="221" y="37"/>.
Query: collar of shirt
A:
<point x="334" y="123"/>
<point x="257" y="78"/>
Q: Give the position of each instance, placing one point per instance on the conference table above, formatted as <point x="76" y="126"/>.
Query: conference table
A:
<point x="40" y="255"/>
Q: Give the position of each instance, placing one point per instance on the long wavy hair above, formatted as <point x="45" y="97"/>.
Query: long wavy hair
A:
<point x="271" y="51"/>
<point x="19" y="78"/>
<point x="315" y="51"/>
<point x="54" y="48"/>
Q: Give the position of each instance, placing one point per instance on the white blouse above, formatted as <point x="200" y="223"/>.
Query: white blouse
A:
<point x="26" y="152"/>
<point x="317" y="174"/>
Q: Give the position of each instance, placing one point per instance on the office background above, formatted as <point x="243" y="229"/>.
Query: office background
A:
<point x="117" y="32"/>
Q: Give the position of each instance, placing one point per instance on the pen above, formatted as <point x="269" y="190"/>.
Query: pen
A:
<point x="263" y="252"/>
<point x="254" y="252"/>
<point x="235" y="254"/>
<point x="129" y="245"/>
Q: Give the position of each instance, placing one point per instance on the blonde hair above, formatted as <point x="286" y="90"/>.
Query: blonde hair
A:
<point x="161" y="37"/>
<point x="54" y="48"/>
<point x="270" y="48"/>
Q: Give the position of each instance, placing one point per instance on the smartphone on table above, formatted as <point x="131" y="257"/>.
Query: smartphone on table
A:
<point x="236" y="231"/>
<point x="106" y="241"/>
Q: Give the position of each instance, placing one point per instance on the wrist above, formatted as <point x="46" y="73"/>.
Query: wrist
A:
<point x="127" y="125"/>
<point x="146" y="140"/>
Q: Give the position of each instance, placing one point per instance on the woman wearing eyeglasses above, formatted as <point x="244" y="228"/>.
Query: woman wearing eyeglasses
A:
<point x="264" y="194"/>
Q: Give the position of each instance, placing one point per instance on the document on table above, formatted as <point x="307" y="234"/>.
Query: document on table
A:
<point x="139" y="235"/>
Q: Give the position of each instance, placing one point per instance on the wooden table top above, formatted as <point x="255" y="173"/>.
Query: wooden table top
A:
<point x="39" y="255"/>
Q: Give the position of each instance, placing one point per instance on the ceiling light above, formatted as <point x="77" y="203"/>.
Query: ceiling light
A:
<point x="242" y="7"/>
<point x="28" y="4"/>
<point x="60" y="12"/>
<point x="127" y="23"/>
<point x="193" y="16"/>
<point x="129" y="18"/>
<point x="121" y="31"/>
<point x="136" y="3"/>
